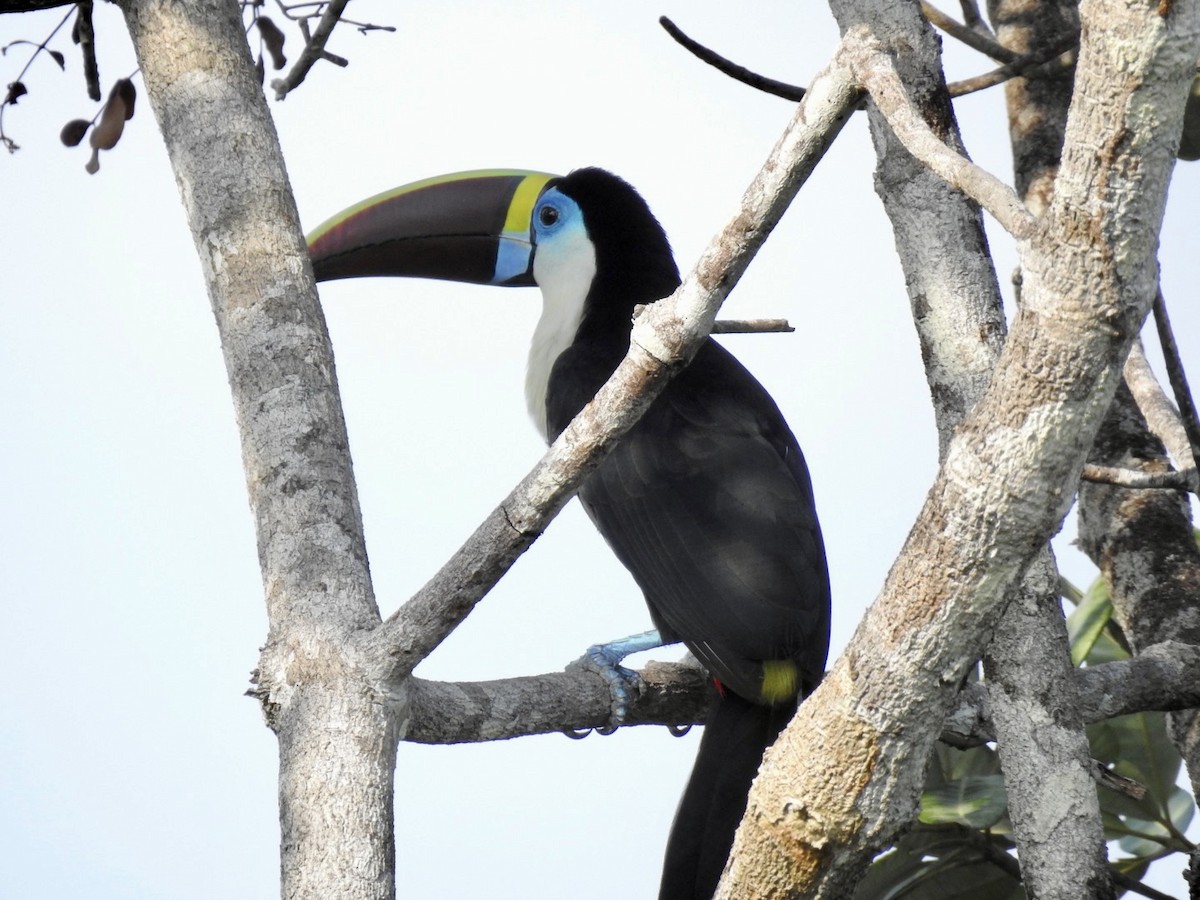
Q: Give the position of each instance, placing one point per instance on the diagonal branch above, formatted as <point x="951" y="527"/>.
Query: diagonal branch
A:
<point x="313" y="52"/>
<point x="974" y="39"/>
<point x="1050" y="59"/>
<point x="662" y="341"/>
<point x="1178" y="380"/>
<point x="730" y="68"/>
<point x="877" y="74"/>
<point x="1161" y="415"/>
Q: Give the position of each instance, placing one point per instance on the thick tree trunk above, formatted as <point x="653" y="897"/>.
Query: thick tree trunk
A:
<point x="336" y="742"/>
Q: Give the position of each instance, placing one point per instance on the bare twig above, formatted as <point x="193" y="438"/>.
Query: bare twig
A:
<point x="1016" y="65"/>
<point x="973" y="18"/>
<point x="314" y="47"/>
<point x="1114" y="782"/>
<point x="877" y="74"/>
<point x="1121" y="880"/>
<point x="972" y="37"/>
<point x="1159" y="412"/>
<point x="1023" y="66"/>
<point x="737" y="326"/>
<point x="1177" y="377"/>
<point x="751" y="326"/>
<point x="732" y="69"/>
<point x="6" y="141"/>
<point x="1132" y="478"/>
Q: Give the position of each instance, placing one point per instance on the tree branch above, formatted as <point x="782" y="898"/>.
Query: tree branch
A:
<point x="1024" y="66"/>
<point x="314" y="50"/>
<point x="1005" y="486"/>
<point x="1161" y="415"/>
<point x="752" y="326"/>
<point x="662" y="341"/>
<point x="974" y="39"/>
<point x="1134" y="478"/>
<point x="1177" y="378"/>
<point x="1164" y="677"/>
<point x="877" y="74"/>
<point x="436" y="712"/>
<point x="732" y="69"/>
<point x="1040" y="740"/>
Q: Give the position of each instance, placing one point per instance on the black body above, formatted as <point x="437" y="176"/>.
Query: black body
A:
<point x="707" y="502"/>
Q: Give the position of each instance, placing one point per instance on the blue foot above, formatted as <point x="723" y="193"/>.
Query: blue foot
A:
<point x="623" y="684"/>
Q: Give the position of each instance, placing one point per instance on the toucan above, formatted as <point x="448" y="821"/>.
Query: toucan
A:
<point x="707" y="501"/>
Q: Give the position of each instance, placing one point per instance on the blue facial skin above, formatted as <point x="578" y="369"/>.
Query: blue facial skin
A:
<point x="553" y="214"/>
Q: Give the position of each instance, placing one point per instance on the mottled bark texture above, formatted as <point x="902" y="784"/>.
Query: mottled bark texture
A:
<point x="231" y="176"/>
<point x="1037" y="107"/>
<point x="846" y="775"/>
<point x="1035" y="708"/>
<point x="1143" y="543"/>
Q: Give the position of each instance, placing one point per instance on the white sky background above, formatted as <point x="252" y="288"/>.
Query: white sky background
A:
<point x="131" y="766"/>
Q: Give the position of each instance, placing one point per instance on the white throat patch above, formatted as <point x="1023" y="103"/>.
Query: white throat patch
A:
<point x="564" y="269"/>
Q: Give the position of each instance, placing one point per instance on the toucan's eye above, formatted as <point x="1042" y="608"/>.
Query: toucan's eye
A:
<point x="547" y="215"/>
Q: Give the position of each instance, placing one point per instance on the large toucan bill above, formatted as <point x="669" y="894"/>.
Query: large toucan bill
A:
<point x="707" y="500"/>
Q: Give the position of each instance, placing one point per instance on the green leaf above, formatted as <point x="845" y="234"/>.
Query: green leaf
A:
<point x="1086" y="623"/>
<point x="977" y="801"/>
<point x="1069" y="592"/>
<point x="1181" y="806"/>
<point x="939" y="864"/>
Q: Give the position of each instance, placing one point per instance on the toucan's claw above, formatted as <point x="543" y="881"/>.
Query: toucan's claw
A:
<point x="679" y="730"/>
<point x="624" y="685"/>
<point x="577" y="734"/>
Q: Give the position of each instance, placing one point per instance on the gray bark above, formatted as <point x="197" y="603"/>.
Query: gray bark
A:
<point x="1143" y="543"/>
<point x="1038" y="724"/>
<point x="233" y="183"/>
<point x="1036" y="713"/>
<point x="1006" y="481"/>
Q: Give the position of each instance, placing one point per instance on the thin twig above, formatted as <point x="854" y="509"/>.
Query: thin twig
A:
<point x="969" y="36"/>
<point x="752" y="326"/>
<point x="1159" y="412"/>
<point x="972" y="17"/>
<point x="732" y="69"/>
<point x="5" y="141"/>
<point x="1114" y="782"/>
<point x="876" y="72"/>
<point x="1177" y="377"/>
<point x="314" y="50"/>
<point x="1024" y="66"/>
<point x="1132" y="478"/>
<point x="1121" y="880"/>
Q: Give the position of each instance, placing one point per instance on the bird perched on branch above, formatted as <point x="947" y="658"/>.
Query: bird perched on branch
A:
<point x="707" y="499"/>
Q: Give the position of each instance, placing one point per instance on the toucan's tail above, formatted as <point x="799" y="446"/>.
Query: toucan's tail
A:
<point x="731" y="750"/>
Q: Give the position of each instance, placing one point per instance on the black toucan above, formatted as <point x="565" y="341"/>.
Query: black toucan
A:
<point x="706" y="501"/>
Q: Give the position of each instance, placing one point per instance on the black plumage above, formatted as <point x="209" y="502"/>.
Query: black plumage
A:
<point x="707" y="501"/>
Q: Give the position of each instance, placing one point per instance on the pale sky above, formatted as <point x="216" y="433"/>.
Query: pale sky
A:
<point x="131" y="766"/>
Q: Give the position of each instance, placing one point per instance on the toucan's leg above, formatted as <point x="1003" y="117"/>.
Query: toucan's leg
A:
<point x="605" y="661"/>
